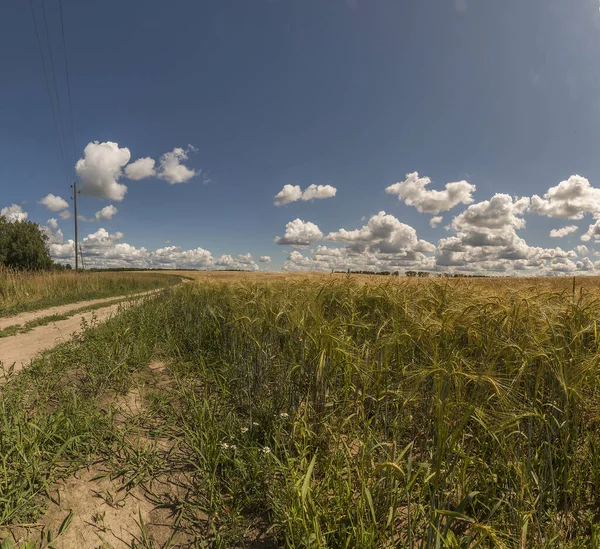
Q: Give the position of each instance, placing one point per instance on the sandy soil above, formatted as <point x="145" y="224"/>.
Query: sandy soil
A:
<point x="107" y="513"/>
<point x="23" y="318"/>
<point x="20" y="349"/>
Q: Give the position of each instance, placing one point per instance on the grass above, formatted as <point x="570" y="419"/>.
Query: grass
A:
<point x="47" y="319"/>
<point x="330" y="414"/>
<point x="29" y="291"/>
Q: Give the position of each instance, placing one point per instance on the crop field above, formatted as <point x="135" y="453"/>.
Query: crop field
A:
<point x="27" y="291"/>
<point x="317" y="411"/>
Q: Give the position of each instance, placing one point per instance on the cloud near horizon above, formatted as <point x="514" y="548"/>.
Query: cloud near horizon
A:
<point x="484" y="237"/>
<point x="104" y="249"/>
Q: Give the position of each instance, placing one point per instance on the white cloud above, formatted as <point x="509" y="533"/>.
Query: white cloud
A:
<point x="54" y="203"/>
<point x="341" y="259"/>
<point x="172" y="170"/>
<point x="300" y="234"/>
<point x="318" y="192"/>
<point x="54" y="234"/>
<point x="176" y="257"/>
<point x="101" y="168"/>
<point x="413" y="192"/>
<point x="100" y="241"/>
<point x="564" y="231"/>
<point x="141" y="169"/>
<point x="569" y="199"/>
<point x="265" y="259"/>
<point x="582" y="249"/>
<point x="383" y="233"/>
<point x="242" y="261"/>
<point x="13" y="213"/>
<point x="287" y="195"/>
<point x="435" y="220"/>
<point x="65" y="215"/>
<point x="592" y="232"/>
<point x="293" y="193"/>
<point x="104" y="249"/>
<point x="105" y="214"/>
<point x="498" y="213"/>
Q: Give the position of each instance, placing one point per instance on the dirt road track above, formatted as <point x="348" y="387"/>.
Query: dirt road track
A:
<point x="23" y="318"/>
<point x="21" y="348"/>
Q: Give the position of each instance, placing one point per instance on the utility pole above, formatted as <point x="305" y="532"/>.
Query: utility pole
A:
<point x="81" y="255"/>
<point x="75" y="192"/>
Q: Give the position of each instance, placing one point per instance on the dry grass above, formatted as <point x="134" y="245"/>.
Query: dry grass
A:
<point x="26" y="291"/>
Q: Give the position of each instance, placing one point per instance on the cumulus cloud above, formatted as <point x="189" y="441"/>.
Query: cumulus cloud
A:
<point x="324" y="258"/>
<point x="100" y="241"/>
<point x="265" y="259"/>
<point x="582" y="249"/>
<point x="104" y="214"/>
<point x="172" y="170"/>
<point x="300" y="234"/>
<point x="569" y="199"/>
<point x="413" y="192"/>
<point x="66" y="214"/>
<point x="13" y="213"/>
<point x="593" y="232"/>
<point x="289" y="193"/>
<point x="54" y="203"/>
<point x="100" y="170"/>
<point x="318" y="192"/>
<point x="104" y="249"/>
<point x="498" y="213"/>
<point x="293" y="193"/>
<point x="242" y="261"/>
<point x="564" y="231"/>
<point x="435" y="220"/>
<point x="486" y="241"/>
<point x="54" y="234"/>
<point x="385" y="234"/>
<point x="176" y="257"/>
<point x="141" y="169"/>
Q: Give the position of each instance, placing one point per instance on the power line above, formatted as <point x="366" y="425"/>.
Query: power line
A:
<point x="55" y="82"/>
<point x="39" y="43"/>
<point x="62" y="27"/>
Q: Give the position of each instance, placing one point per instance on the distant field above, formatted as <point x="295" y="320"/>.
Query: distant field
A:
<point x="27" y="291"/>
<point x="267" y="410"/>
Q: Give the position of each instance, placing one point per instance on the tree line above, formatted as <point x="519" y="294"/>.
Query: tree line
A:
<point x="24" y="246"/>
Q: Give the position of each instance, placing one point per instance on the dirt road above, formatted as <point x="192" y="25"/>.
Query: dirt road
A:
<point x="23" y="318"/>
<point x="21" y="348"/>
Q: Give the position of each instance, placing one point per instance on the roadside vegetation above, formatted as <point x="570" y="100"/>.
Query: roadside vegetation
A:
<point x="22" y="291"/>
<point x="316" y="413"/>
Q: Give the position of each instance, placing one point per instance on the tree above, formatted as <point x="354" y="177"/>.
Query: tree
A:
<point x="23" y="245"/>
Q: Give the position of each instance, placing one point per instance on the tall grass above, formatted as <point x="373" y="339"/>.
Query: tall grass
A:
<point x="23" y="291"/>
<point x="341" y="415"/>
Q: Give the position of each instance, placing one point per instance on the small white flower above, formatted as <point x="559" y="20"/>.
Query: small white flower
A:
<point x="255" y="424"/>
<point x="284" y="415"/>
<point x="233" y="447"/>
<point x="225" y="446"/>
<point x="244" y="430"/>
<point x="266" y="450"/>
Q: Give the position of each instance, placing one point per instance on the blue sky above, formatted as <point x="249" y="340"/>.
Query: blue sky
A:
<point x="353" y="94"/>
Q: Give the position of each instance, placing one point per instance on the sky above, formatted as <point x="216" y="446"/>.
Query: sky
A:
<point x="437" y="135"/>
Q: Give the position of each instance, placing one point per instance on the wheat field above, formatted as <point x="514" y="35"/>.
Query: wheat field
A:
<point x="329" y="411"/>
